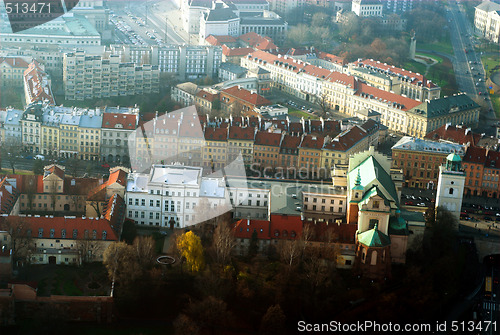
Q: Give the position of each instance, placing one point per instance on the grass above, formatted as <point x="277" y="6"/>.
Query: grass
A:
<point x="415" y="67"/>
<point x="300" y="113"/>
<point x="491" y="62"/>
<point x="11" y="97"/>
<point x="435" y="57"/>
<point x="495" y="101"/>
<point x="444" y="47"/>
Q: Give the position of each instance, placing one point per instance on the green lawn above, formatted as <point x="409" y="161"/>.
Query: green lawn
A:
<point x="495" y="100"/>
<point x="11" y="97"/>
<point x="444" y="47"/>
<point x="301" y="113"/>
<point x="433" y="56"/>
<point x="414" y="67"/>
<point x="490" y="62"/>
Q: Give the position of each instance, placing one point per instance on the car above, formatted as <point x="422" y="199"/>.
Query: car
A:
<point x="42" y="157"/>
<point x="298" y="208"/>
<point x="409" y="203"/>
<point x="29" y="157"/>
<point x="105" y="165"/>
<point x="421" y="204"/>
<point x="294" y="196"/>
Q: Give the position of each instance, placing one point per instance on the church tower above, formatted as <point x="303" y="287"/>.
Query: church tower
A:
<point x="450" y="188"/>
<point x="355" y="196"/>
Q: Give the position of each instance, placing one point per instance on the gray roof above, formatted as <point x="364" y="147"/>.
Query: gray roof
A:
<point x="488" y="6"/>
<point x="13" y="117"/>
<point x="71" y="120"/>
<point x="262" y="21"/>
<point x="442" y="106"/>
<point x="51" y="119"/>
<point x="175" y="175"/>
<point x="90" y="120"/>
<point x="233" y="68"/>
<point x="212" y="188"/>
<point x="221" y="14"/>
<point x="416" y="144"/>
<point x="67" y="25"/>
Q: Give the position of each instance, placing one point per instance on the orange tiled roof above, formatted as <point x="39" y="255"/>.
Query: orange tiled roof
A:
<point x="119" y="121"/>
<point x="241" y="133"/>
<point x="247" y="96"/>
<point x="226" y="51"/>
<point x="207" y="96"/>
<point x="14" y="61"/>
<point x="216" y="134"/>
<point x="460" y="135"/>
<point x="347" y="139"/>
<point x="312" y="142"/>
<point x="267" y="138"/>
<point x="217" y="40"/>
<point x="370" y="92"/>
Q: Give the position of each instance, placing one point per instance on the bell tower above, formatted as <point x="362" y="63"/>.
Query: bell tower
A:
<point x="450" y="187"/>
<point x="355" y="195"/>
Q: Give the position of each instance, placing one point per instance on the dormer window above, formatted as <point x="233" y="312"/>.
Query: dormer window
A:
<point x="104" y="234"/>
<point x="356" y="195"/>
<point x="52" y="232"/>
<point x="40" y="232"/>
<point x="75" y="233"/>
<point x="63" y="233"/>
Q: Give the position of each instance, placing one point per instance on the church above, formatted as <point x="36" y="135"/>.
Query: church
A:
<point x="373" y="196"/>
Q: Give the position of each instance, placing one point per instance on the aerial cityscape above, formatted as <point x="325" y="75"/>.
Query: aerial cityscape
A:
<point x="249" y="166"/>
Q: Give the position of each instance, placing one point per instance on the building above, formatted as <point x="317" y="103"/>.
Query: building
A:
<point x="272" y="111"/>
<point x="31" y="122"/>
<point x="89" y="135"/>
<point x="240" y="100"/>
<point x="420" y="160"/>
<point x="12" y="71"/>
<point x="185" y="93"/>
<point x="116" y="129"/>
<point x="257" y="42"/>
<point x="487" y="20"/>
<point x="450" y="189"/>
<point x="37" y="85"/>
<point x="482" y="170"/>
<point x="286" y="6"/>
<point x="456" y="134"/>
<point x="207" y="100"/>
<point x="340" y="148"/>
<point x="175" y="196"/>
<point x="366" y="8"/>
<point x="215" y="149"/>
<point x="398" y="6"/>
<point x="12" y="127"/>
<point x="100" y="197"/>
<point x="219" y="20"/>
<point x="234" y="55"/>
<point x="69" y="29"/>
<point x="373" y="197"/>
<point x="230" y="71"/>
<point x="89" y="77"/>
<point x="220" y="40"/>
<point x="266" y="149"/>
<point x="240" y="140"/>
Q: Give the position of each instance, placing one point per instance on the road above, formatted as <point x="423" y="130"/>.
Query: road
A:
<point x="467" y="64"/>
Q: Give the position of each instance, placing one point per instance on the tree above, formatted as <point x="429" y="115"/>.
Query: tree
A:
<point x="53" y="194"/>
<point x="88" y="248"/>
<point x="184" y="325"/>
<point x="121" y="263"/>
<point x="72" y="164"/>
<point x="144" y="248"/>
<point x="323" y="103"/>
<point x="273" y="322"/>
<point x="223" y="243"/>
<point x="289" y="252"/>
<point x="210" y="313"/>
<point x="237" y="108"/>
<point x="9" y="150"/>
<point x="19" y="232"/>
<point x="253" y="248"/>
<point x="38" y="167"/>
<point x="129" y="231"/>
<point x="191" y="250"/>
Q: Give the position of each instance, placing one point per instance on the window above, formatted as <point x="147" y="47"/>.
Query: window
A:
<point x="94" y="234"/>
<point x="151" y="203"/>
<point x="104" y="234"/>
<point x="130" y="201"/>
<point x="75" y="233"/>
<point x="372" y="223"/>
<point x="63" y="233"/>
<point x="376" y="204"/>
<point x="451" y="190"/>
<point x="52" y="232"/>
<point x="137" y="202"/>
<point x="143" y="202"/>
<point x="40" y="232"/>
<point x="157" y="203"/>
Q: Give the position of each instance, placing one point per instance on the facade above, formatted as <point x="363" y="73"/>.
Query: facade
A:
<point x="487" y="20"/>
<point x="482" y="170"/>
<point x="219" y="20"/>
<point x="215" y="149"/>
<point x="12" y="126"/>
<point x="89" y="77"/>
<point x="266" y="149"/>
<point x="240" y="100"/>
<point x="174" y="195"/>
<point x="12" y="71"/>
<point x="116" y="128"/>
<point x="420" y="160"/>
<point x="31" y="123"/>
<point x="240" y="140"/>
<point x="185" y="93"/>
<point x="366" y="8"/>
<point x="207" y="100"/>
<point x="450" y="189"/>
<point x="89" y="136"/>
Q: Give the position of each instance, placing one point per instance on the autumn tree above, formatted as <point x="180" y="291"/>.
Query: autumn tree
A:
<point x="223" y="243"/>
<point x="191" y="250"/>
<point x="210" y="314"/>
<point x="273" y="322"/>
<point x="184" y="325"/>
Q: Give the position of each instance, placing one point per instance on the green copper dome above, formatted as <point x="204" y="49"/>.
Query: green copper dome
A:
<point x="453" y="158"/>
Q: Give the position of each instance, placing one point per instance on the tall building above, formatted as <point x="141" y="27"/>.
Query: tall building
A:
<point x="450" y="190"/>
<point x="89" y="77"/>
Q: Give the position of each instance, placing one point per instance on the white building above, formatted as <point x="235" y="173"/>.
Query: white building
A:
<point x="175" y="194"/>
<point x="367" y="8"/>
<point x="220" y="20"/>
<point x="450" y="189"/>
<point x="12" y="126"/>
<point x="272" y="110"/>
<point x="487" y="20"/>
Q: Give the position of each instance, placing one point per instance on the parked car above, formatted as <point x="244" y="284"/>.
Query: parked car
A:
<point x="105" y="165"/>
<point x="42" y="157"/>
<point x="421" y="204"/>
<point x="409" y="203"/>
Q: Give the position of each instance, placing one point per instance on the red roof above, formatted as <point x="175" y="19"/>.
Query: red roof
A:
<point x="38" y="84"/>
<point x="119" y="121"/>
<point x="241" y="133"/>
<point x="347" y="139"/>
<point x="331" y="58"/>
<point x="220" y="39"/>
<point x="118" y="176"/>
<point x="323" y="232"/>
<point x="285" y="227"/>
<point x="226" y="51"/>
<point x="475" y="155"/>
<point x="247" y="96"/>
<point x="207" y="96"/>
<point x="41" y="227"/>
<point x="460" y="135"/>
<point x="257" y="41"/>
<point x="14" y="61"/>
<point x="493" y="160"/>
<point x="370" y="92"/>
<point x="312" y="142"/>
<point x="56" y="170"/>
<point x="216" y="134"/>
<point x="114" y="211"/>
<point x="291" y="142"/>
<point x="267" y="138"/>
<point x="8" y="196"/>
<point x="391" y="69"/>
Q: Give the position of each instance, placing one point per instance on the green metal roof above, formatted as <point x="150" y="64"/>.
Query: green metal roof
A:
<point x="374" y="238"/>
<point x="453" y="158"/>
<point x="443" y="106"/>
<point x="372" y="171"/>
<point x="372" y="192"/>
<point x="398" y="226"/>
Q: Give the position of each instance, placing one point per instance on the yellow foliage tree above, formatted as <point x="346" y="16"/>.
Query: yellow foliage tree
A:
<point x="191" y="249"/>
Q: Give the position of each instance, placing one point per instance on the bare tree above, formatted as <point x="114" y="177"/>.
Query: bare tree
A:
<point x="289" y="252"/>
<point x="144" y="248"/>
<point x="121" y="263"/>
<point x="30" y="193"/>
<point x="53" y="195"/>
<point x="237" y="109"/>
<point x="88" y="249"/>
<point x="19" y="231"/>
<point x="223" y="243"/>
<point x="323" y="103"/>
<point x="9" y="151"/>
<point x="96" y="205"/>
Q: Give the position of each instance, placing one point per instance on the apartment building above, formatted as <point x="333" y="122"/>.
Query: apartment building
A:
<point x="338" y="149"/>
<point x="51" y="125"/>
<point x="31" y="122"/>
<point x="89" y="77"/>
<point x="89" y="135"/>
<point x="239" y="100"/>
<point x="487" y="20"/>
<point x="207" y="100"/>
<point x="420" y="160"/>
<point x="240" y="140"/>
<point x="366" y="8"/>
<point x="266" y="149"/>
<point x="115" y="132"/>
<point x="286" y="6"/>
<point x="185" y="93"/>
<point x="12" y="126"/>
<point x="215" y="149"/>
<point x="69" y="144"/>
